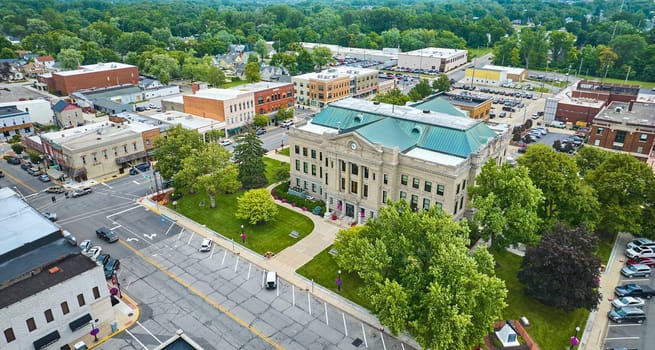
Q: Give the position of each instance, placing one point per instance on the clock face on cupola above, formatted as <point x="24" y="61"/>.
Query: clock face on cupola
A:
<point x="353" y="146"/>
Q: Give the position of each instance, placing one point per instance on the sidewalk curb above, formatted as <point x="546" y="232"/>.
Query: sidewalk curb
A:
<point x="129" y="324"/>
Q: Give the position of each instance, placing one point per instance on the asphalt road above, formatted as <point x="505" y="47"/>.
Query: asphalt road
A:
<point x="217" y="298"/>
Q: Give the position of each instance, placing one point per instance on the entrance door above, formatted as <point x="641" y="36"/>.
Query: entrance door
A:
<point x="350" y="210"/>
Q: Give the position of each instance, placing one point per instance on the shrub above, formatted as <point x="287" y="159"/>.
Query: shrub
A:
<point x="282" y="191"/>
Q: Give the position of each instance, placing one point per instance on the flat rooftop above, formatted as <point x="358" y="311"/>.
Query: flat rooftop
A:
<point x="510" y="70"/>
<point x="434" y="52"/>
<point x="219" y="94"/>
<point x="642" y="114"/>
<point x="261" y="86"/>
<point x="69" y="266"/>
<point x="186" y="120"/>
<point x="99" y="67"/>
<point x="21" y="224"/>
<point x="588" y="102"/>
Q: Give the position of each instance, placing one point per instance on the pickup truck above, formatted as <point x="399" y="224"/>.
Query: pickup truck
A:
<point x="634" y="290"/>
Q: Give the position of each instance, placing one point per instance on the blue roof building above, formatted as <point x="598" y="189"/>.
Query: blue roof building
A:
<point x="357" y="154"/>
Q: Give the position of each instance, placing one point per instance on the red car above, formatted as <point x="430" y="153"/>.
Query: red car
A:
<point x="646" y="261"/>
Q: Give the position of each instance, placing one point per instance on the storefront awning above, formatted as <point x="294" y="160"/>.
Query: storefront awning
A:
<point x="46" y="340"/>
<point x="80" y="322"/>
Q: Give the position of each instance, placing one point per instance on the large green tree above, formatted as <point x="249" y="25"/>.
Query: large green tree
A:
<point x="211" y="170"/>
<point x="249" y="153"/>
<point x="420" y="276"/>
<point x="551" y="275"/>
<point x="393" y="96"/>
<point x="506" y="203"/>
<point x="566" y="197"/>
<point x="171" y="150"/>
<point x="622" y="184"/>
<point x="256" y="206"/>
<point x="70" y="58"/>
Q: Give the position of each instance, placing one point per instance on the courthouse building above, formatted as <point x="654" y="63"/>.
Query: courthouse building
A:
<point x="357" y="154"/>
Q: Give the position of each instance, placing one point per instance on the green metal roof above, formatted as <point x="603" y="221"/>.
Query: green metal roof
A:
<point x="440" y="105"/>
<point x="406" y="128"/>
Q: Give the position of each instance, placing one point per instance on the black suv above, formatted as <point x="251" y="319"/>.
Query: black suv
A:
<point x="107" y="234"/>
<point x="13" y="160"/>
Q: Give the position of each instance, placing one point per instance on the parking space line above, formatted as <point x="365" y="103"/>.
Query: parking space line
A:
<point x="293" y="295"/>
<point x="169" y="229"/>
<point x="180" y="234"/>
<point x="263" y="278"/>
<point x="116" y="227"/>
<point x="277" y="290"/>
<point x="224" y="255"/>
<point x="402" y="345"/>
<point x="146" y="329"/>
<point x="623" y="338"/>
<point x="137" y="340"/>
<point x="249" y="267"/>
<point x="236" y="263"/>
<point x="204" y="297"/>
<point x="212" y="253"/>
<point x="190" y="237"/>
<point x="345" y="328"/>
<point x="382" y="338"/>
<point x="309" y="304"/>
<point x="625" y="325"/>
<point x="364" y="333"/>
<point x="327" y="322"/>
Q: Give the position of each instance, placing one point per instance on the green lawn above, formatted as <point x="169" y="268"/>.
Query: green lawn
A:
<point x="551" y="328"/>
<point x="272" y="236"/>
<point x="285" y="151"/>
<point x="271" y="165"/>
<point x="324" y="271"/>
<point x="479" y="52"/>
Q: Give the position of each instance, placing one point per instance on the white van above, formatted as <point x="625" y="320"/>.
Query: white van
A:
<point x="558" y="124"/>
<point x="271" y="280"/>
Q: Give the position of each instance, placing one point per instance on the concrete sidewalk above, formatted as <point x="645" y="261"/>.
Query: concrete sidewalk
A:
<point x="287" y="261"/>
<point x="595" y="330"/>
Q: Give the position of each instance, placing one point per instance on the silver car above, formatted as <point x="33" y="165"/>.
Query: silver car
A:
<point x="635" y="270"/>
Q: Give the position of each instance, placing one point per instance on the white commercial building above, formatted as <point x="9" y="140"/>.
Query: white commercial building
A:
<point x="50" y="294"/>
<point x="433" y="59"/>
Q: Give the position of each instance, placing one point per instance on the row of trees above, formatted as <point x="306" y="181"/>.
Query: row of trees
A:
<point x="602" y="37"/>
<point x="558" y="205"/>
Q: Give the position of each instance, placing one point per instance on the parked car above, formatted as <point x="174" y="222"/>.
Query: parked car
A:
<point x="111" y="266"/>
<point x="26" y="165"/>
<point x="81" y="192"/>
<point x="206" y="245"/>
<point x="641" y="242"/>
<point x="55" y="189"/>
<point x="106" y="234"/>
<point x="634" y="290"/>
<point x="225" y="142"/>
<point x="69" y="237"/>
<point x="635" y="270"/>
<point x="50" y="216"/>
<point x="139" y="168"/>
<point x="260" y="131"/>
<point x="13" y="160"/>
<point x="102" y="259"/>
<point x="271" y="280"/>
<point x="44" y="178"/>
<point x="646" y="261"/>
<point x="641" y="252"/>
<point x="85" y="245"/>
<point x="34" y="171"/>
<point x="628" y="301"/>
<point x="286" y="124"/>
<point x="93" y="252"/>
<point x="627" y="314"/>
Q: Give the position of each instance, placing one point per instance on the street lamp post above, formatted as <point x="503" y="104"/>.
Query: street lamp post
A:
<point x="339" y="282"/>
<point x="574" y="339"/>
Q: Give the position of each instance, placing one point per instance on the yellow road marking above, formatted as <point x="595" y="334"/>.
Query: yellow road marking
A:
<point x="203" y="296"/>
<point x="17" y="180"/>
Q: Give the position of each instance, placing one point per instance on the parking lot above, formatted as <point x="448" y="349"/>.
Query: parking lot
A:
<point x="630" y="335"/>
<point x="224" y="293"/>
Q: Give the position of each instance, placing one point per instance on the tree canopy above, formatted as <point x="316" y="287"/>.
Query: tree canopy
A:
<point x="420" y="276"/>
<point x="256" y="206"/>
<point x="562" y="270"/>
<point x="248" y="154"/>
<point x="506" y="203"/>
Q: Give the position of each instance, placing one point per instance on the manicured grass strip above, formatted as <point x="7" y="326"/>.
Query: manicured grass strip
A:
<point x="285" y="151"/>
<point x="271" y="165"/>
<point x="272" y="236"/>
<point x="324" y="271"/>
<point x="551" y="328"/>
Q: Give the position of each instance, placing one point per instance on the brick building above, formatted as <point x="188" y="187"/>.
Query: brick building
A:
<point x="626" y="127"/>
<point x="90" y="77"/>
<point x="587" y="98"/>
<point x="268" y="96"/>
